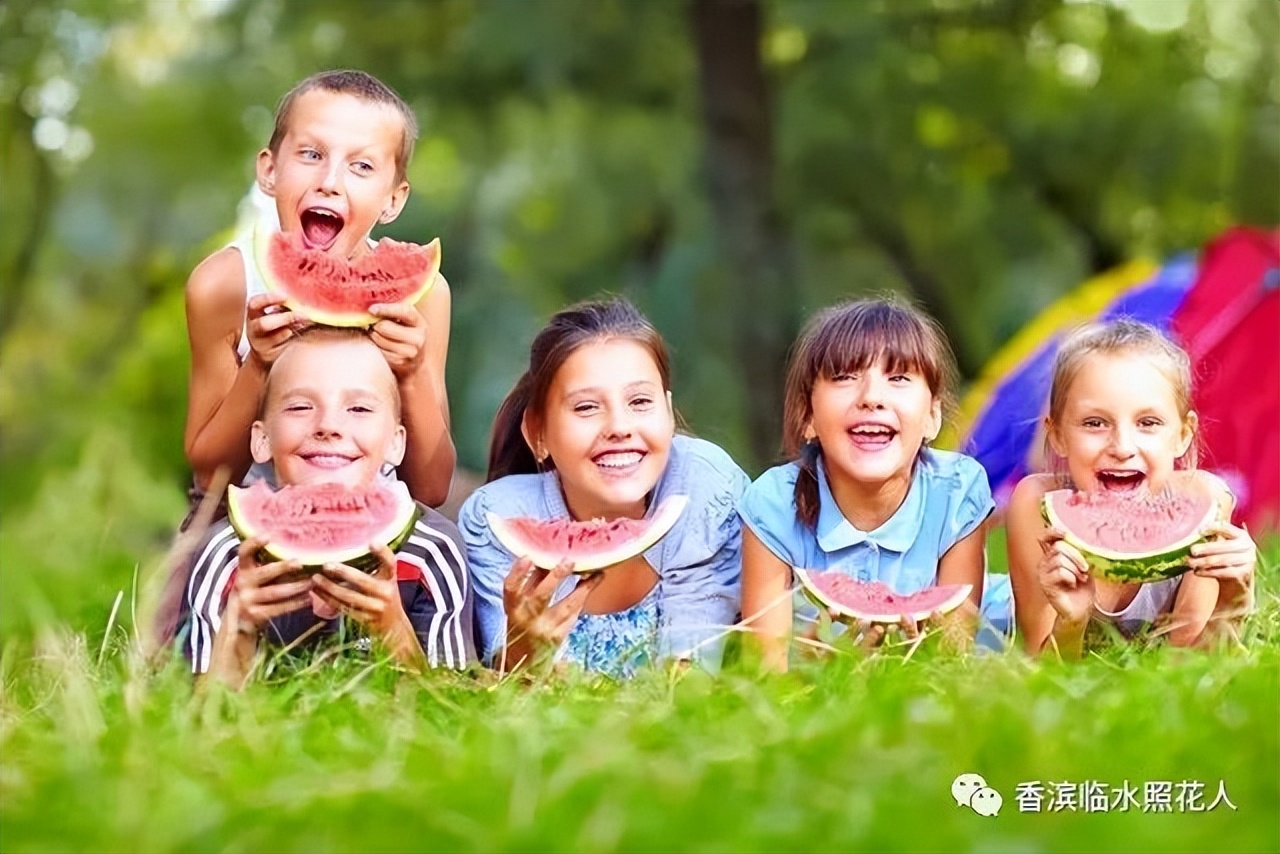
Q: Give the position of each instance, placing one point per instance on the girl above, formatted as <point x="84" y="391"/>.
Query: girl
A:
<point x="1119" y="418"/>
<point x="589" y="432"/>
<point x="865" y="495"/>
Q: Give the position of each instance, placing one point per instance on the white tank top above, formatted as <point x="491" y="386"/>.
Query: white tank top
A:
<point x="1154" y="599"/>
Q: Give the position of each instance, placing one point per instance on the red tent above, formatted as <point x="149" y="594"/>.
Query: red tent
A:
<point x="1230" y="324"/>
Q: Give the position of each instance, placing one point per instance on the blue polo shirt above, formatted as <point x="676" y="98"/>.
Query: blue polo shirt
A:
<point x="948" y="499"/>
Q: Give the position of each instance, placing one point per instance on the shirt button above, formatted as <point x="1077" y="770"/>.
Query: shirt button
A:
<point x="864" y="574"/>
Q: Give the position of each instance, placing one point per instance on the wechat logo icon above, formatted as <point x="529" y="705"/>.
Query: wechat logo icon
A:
<point x="972" y="791"/>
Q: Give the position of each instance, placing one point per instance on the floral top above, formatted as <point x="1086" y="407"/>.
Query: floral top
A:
<point x="618" y="644"/>
<point x="698" y="563"/>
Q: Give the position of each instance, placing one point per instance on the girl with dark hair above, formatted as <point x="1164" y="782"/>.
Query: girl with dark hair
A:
<point x="589" y="432"/>
<point x="865" y="494"/>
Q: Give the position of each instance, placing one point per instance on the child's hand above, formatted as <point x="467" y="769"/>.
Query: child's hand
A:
<point x="269" y="326"/>
<point x="1064" y="578"/>
<point x="533" y="624"/>
<point x="372" y="600"/>
<point x="259" y="590"/>
<point x="401" y="335"/>
<point x="1230" y="557"/>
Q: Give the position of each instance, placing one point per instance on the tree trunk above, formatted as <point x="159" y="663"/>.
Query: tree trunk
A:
<point x="739" y="168"/>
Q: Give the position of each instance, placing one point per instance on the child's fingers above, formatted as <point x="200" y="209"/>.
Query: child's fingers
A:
<point x="872" y="635"/>
<point x="399" y="313"/>
<point x="1075" y="560"/>
<point x="1223" y="547"/>
<point x="1049" y="536"/>
<point x="346" y="598"/>
<point x="260" y="304"/>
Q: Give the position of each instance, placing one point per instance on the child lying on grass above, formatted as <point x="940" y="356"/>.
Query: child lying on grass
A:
<point x="330" y="414"/>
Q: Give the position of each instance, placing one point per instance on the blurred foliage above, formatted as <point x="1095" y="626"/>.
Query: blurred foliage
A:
<point x="982" y="157"/>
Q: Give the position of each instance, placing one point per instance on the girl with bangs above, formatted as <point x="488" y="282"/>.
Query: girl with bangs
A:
<point x="864" y="493"/>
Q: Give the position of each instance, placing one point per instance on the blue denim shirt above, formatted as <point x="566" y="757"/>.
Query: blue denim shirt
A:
<point x="948" y="499"/>
<point x="698" y="563"/>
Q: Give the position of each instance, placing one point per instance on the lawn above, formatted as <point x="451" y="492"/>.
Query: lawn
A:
<point x="845" y="753"/>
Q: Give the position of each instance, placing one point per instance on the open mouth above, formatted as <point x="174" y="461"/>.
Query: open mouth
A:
<point x="618" y="462"/>
<point x="1120" y="479"/>
<point x="320" y="227"/>
<point x="872" y="437"/>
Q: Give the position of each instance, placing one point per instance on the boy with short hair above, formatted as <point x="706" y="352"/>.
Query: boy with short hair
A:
<point x="330" y="414"/>
<point x="335" y="166"/>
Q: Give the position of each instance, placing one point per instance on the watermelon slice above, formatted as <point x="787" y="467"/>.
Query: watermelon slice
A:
<point x="591" y="545"/>
<point x="1134" y="536"/>
<point x="335" y="292"/>
<point x="873" y="601"/>
<point x="325" y="522"/>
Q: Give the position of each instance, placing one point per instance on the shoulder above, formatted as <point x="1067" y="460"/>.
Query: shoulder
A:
<point x="697" y="464"/>
<point x="772" y="494"/>
<point x="1024" y="502"/>
<point x="953" y="467"/>
<point x="216" y="287"/>
<point x="507" y="497"/>
<point x="1221" y="491"/>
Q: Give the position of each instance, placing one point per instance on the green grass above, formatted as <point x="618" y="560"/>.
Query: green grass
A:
<point x="847" y="753"/>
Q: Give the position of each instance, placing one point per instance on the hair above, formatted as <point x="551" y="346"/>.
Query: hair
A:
<point x="1116" y="337"/>
<point x="565" y="333"/>
<point x="318" y="335"/>
<point x="851" y="337"/>
<point x="360" y="85"/>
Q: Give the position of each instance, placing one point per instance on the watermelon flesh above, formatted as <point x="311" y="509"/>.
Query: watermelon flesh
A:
<point x="874" y="602"/>
<point x="1128" y="536"/>
<point x="591" y="545"/>
<point x="325" y="522"/>
<point x="335" y="292"/>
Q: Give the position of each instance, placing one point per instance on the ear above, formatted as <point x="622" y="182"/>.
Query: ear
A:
<point x="671" y="411"/>
<point x="394" y="453"/>
<point x="399" y="196"/>
<point x="1190" y="424"/>
<point x="933" y="426"/>
<point x="266" y="172"/>
<point x="808" y="434"/>
<point x="1055" y="441"/>
<point x="532" y="433"/>
<point x="259" y="444"/>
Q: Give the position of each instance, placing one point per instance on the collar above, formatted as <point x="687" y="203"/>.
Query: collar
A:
<point x="835" y="532"/>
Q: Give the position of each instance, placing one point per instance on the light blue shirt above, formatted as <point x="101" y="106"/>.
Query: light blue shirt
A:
<point x="948" y="499"/>
<point x="698" y="563"/>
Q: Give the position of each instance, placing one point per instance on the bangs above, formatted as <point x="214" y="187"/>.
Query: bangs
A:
<point x="882" y="335"/>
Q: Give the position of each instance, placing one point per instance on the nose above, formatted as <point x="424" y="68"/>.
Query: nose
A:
<point x="870" y="392"/>
<point x="331" y="177"/>
<point x="1122" y="445"/>
<point x="329" y="421"/>
<point x="620" y="420"/>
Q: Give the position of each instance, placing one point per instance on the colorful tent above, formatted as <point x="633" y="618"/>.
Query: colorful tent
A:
<point x="1223" y="307"/>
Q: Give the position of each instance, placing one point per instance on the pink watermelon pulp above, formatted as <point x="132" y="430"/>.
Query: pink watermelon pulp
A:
<point x="591" y="545"/>
<point x="1135" y="535"/>
<point x="874" y="602"/>
<point x="336" y="292"/>
<point x="323" y="523"/>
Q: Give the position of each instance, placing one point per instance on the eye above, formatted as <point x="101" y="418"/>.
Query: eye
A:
<point x="843" y="377"/>
<point x="363" y="166"/>
<point x="585" y="407"/>
<point x="297" y="407"/>
<point x="642" y="401"/>
<point x="1150" y="421"/>
<point x="900" y="378"/>
<point x="361" y="408"/>
<point x="309" y="154"/>
<point x="1092" y="423"/>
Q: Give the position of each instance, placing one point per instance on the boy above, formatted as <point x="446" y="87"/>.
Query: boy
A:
<point x="330" y="414"/>
<point x="335" y="167"/>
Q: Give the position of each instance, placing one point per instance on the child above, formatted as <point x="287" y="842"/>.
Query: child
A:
<point x="1119" y="418"/>
<point x="330" y="414"/>
<point x="335" y="167"/>
<point x="589" y="432"/>
<point x="865" y="494"/>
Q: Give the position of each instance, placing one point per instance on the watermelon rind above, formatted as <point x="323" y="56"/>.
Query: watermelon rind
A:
<point x="393" y="533"/>
<point x="1126" y="567"/>
<point x="659" y="524"/>
<point x="957" y="594"/>
<point x="263" y="239"/>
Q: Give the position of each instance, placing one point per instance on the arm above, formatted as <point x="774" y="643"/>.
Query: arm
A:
<point x="374" y="602"/>
<point x="223" y="397"/>
<point x="1040" y="563"/>
<point x="1192" y="609"/>
<point x="1230" y="557"/>
<point x="415" y="341"/>
<point x="766" y="600"/>
<point x="964" y="563"/>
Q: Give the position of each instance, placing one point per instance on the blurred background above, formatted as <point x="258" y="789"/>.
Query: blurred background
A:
<point x="729" y="165"/>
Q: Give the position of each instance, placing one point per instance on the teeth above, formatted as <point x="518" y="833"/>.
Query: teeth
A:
<point x="873" y="430"/>
<point x="618" y="460"/>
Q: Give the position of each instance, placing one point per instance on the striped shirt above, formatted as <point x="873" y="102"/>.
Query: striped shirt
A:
<point x="434" y="589"/>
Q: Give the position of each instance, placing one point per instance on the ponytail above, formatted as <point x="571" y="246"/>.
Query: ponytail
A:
<point x="806" y="491"/>
<point x="509" y="453"/>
